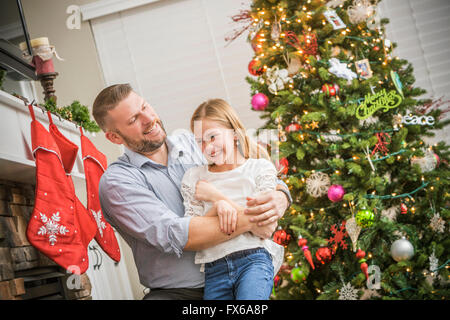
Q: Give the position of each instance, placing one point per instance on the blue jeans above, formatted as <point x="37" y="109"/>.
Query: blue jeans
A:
<point x="241" y="275"/>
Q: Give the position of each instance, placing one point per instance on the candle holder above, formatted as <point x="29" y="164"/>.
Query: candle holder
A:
<point x="46" y="80"/>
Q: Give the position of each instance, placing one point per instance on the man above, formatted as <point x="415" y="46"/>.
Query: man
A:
<point x="140" y="196"/>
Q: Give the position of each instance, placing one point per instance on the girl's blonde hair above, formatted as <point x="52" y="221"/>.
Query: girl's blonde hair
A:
<point x="219" y="110"/>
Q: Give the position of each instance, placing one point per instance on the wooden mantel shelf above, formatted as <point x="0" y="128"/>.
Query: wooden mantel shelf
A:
<point x="16" y="158"/>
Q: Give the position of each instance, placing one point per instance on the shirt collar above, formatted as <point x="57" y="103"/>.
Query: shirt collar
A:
<point x="175" y="150"/>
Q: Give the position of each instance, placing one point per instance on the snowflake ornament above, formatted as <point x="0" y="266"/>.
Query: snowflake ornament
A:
<point x="317" y="184"/>
<point x="437" y="224"/>
<point x="338" y="238"/>
<point x="51" y="227"/>
<point x="434" y="263"/>
<point x="101" y="225"/>
<point x="391" y="213"/>
<point x="360" y="11"/>
<point x="348" y="292"/>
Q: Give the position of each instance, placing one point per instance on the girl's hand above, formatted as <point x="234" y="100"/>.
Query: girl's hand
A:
<point x="227" y="216"/>
<point x="205" y="191"/>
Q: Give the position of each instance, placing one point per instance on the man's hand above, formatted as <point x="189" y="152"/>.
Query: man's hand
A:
<point x="205" y="191"/>
<point x="265" y="231"/>
<point x="227" y="216"/>
<point x="267" y="208"/>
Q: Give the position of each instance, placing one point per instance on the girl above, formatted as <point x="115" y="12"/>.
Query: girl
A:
<point x="243" y="267"/>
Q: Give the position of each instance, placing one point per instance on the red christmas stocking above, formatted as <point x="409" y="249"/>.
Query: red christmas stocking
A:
<point x="53" y="228"/>
<point x="94" y="165"/>
<point x="68" y="151"/>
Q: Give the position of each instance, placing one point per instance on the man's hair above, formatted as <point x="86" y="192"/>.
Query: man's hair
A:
<point x="107" y="100"/>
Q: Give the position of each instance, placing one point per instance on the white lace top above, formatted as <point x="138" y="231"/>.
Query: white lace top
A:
<point x="249" y="179"/>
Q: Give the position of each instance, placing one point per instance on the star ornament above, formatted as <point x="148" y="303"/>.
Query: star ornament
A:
<point x="314" y="124"/>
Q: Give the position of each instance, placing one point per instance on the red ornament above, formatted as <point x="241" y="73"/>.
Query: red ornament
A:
<point x="256" y="42"/>
<point x="276" y="281"/>
<point x="302" y="243"/>
<point x="324" y="255"/>
<point x="281" y="237"/>
<point x="330" y="89"/>
<point x="282" y="165"/>
<point x="376" y="48"/>
<point x="364" y="268"/>
<point x="293" y="127"/>
<point x="403" y="208"/>
<point x="255" y="68"/>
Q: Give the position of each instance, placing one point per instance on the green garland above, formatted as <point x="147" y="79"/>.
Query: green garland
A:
<point x="75" y="112"/>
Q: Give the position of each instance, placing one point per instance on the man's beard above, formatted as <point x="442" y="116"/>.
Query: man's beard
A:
<point x="143" y="146"/>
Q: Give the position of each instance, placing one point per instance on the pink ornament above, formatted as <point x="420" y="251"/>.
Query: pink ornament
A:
<point x="260" y="101"/>
<point x="336" y="193"/>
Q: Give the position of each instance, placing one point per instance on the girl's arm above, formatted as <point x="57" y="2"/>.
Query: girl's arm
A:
<point x="205" y="191"/>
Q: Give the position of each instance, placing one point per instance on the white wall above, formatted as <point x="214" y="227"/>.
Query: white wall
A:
<point x="173" y="53"/>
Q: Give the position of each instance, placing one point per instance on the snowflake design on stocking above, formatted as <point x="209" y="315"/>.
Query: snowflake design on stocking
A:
<point x="348" y="292"/>
<point x="101" y="225"/>
<point x="52" y="227"/>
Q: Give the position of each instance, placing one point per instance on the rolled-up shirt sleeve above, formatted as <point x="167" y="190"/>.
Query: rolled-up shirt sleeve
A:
<point x="134" y="208"/>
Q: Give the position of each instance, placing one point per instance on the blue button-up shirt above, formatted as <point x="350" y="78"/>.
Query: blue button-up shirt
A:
<point x="142" y="200"/>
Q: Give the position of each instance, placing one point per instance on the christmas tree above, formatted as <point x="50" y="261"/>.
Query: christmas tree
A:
<point x="370" y="216"/>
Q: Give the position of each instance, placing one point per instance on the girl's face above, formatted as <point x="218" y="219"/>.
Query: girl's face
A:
<point x="216" y="141"/>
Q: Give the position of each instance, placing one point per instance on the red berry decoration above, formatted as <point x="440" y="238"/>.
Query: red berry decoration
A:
<point x="302" y="243"/>
<point x="364" y="268"/>
<point x="281" y="237"/>
<point x="324" y="255"/>
<point x="255" y="68"/>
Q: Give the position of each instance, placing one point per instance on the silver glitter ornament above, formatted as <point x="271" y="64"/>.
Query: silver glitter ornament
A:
<point x="402" y="250"/>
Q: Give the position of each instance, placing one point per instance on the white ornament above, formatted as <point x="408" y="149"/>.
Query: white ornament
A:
<point x="277" y="79"/>
<point x="348" y="292"/>
<point x="317" y="184"/>
<point x="51" y="227"/>
<point x="101" y="225"/>
<point x="426" y="163"/>
<point x="360" y="11"/>
<point x="434" y="263"/>
<point x="402" y="250"/>
<point x="341" y="70"/>
<point x="437" y="224"/>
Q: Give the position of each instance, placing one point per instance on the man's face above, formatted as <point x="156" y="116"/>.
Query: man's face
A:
<point x="135" y="124"/>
